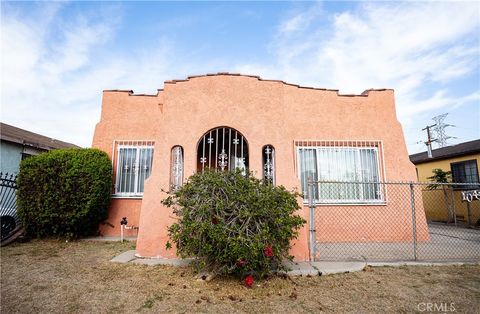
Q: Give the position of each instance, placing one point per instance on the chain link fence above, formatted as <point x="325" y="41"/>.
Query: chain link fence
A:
<point x="394" y="221"/>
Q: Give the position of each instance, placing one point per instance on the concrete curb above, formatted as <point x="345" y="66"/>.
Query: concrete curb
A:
<point x="300" y="269"/>
<point x="329" y="268"/>
<point x="162" y="261"/>
<point x="413" y="263"/>
<point x="296" y="268"/>
<point x="109" y="239"/>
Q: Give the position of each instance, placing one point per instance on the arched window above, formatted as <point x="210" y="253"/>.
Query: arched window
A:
<point x="268" y="157"/>
<point x="222" y="149"/>
<point x="176" y="168"/>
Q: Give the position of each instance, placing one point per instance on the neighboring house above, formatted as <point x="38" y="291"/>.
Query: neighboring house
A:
<point x="17" y="144"/>
<point x="280" y="131"/>
<point x="463" y="161"/>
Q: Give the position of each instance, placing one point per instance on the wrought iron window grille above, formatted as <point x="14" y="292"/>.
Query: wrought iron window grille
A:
<point x="342" y="161"/>
<point x="133" y="163"/>
<point x="222" y="149"/>
<point x="176" y="168"/>
<point x="268" y="157"/>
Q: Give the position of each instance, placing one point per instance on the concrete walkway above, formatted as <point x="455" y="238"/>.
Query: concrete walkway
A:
<point x="296" y="268"/>
<point x="109" y="239"/>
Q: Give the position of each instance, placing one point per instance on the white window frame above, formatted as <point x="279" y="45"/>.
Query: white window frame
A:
<point x="378" y="147"/>
<point x="137" y="147"/>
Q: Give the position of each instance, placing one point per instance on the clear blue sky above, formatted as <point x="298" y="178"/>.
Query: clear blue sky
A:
<point x="57" y="57"/>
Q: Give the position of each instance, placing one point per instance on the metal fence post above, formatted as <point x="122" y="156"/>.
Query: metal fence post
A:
<point x="414" y="222"/>
<point x="311" y="206"/>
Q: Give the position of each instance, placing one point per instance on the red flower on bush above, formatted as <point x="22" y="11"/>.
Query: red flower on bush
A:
<point x="249" y="281"/>
<point x="240" y="263"/>
<point x="268" y="251"/>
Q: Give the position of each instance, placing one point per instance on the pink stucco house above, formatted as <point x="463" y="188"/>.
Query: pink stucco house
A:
<point x="281" y="131"/>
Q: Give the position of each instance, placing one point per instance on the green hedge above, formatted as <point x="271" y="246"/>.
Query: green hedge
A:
<point x="234" y="224"/>
<point x="64" y="192"/>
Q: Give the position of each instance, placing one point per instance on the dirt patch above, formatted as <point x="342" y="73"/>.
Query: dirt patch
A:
<point x="59" y="277"/>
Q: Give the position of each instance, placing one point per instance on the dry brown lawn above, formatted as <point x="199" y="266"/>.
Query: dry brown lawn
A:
<point x="52" y="276"/>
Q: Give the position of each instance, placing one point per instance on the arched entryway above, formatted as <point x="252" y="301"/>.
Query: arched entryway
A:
<point x="222" y="148"/>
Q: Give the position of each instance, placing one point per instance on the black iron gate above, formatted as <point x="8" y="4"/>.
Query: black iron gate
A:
<point x="10" y="223"/>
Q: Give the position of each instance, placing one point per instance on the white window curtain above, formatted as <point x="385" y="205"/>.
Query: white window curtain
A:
<point x="331" y="165"/>
<point x="134" y="166"/>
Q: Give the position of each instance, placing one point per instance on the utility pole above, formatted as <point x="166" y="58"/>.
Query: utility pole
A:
<point x="430" y="140"/>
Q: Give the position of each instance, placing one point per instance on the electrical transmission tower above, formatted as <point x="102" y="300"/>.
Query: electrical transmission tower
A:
<point x="439" y="130"/>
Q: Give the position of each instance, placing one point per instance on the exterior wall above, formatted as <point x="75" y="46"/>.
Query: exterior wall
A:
<point x="10" y="156"/>
<point x="436" y="207"/>
<point x="125" y="117"/>
<point x="265" y="112"/>
<point x="434" y="201"/>
<point x="118" y="209"/>
<point x="424" y="170"/>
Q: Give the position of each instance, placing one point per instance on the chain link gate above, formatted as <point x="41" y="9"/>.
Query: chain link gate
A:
<point x="394" y="221"/>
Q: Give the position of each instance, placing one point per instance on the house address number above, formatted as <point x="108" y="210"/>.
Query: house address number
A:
<point x="469" y="196"/>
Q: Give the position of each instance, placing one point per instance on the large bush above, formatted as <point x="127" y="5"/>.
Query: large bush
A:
<point x="234" y="224"/>
<point x="64" y="192"/>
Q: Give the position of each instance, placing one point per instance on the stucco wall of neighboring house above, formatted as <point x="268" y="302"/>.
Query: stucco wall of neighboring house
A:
<point x="434" y="201"/>
<point x="265" y="112"/>
<point x="10" y="157"/>
<point x="424" y="170"/>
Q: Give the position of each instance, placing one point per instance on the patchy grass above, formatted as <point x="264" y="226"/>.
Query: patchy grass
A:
<point x="59" y="277"/>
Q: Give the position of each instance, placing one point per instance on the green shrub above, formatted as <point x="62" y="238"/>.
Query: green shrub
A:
<point x="64" y="192"/>
<point x="234" y="224"/>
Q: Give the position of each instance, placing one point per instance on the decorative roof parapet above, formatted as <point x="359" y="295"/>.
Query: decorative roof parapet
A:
<point x="130" y="92"/>
<point x="118" y="91"/>
<point x="365" y="92"/>
<point x="175" y="81"/>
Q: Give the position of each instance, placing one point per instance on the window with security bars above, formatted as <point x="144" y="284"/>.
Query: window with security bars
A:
<point x="268" y="158"/>
<point x="176" y="168"/>
<point x="465" y="172"/>
<point x="346" y="172"/>
<point x="134" y="165"/>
